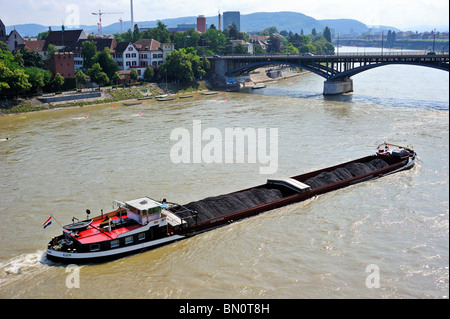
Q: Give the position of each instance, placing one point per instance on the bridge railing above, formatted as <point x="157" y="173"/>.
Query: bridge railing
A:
<point x="287" y="55"/>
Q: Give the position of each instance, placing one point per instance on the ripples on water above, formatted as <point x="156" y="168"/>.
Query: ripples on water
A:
<point x="62" y="162"/>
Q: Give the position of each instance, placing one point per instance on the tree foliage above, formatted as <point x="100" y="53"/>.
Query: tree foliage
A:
<point x="149" y="73"/>
<point x="88" y="51"/>
<point x="108" y="65"/>
<point x="183" y="65"/>
<point x="97" y="75"/>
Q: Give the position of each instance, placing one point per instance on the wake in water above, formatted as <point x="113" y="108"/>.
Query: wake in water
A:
<point x="23" y="265"/>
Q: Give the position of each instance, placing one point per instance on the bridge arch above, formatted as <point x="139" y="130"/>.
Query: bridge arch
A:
<point x="325" y="71"/>
<point x="253" y="66"/>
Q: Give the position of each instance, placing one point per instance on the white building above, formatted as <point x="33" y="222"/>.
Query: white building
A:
<point x="152" y="52"/>
<point x="126" y="55"/>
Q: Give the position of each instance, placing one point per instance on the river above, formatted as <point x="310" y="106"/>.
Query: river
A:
<point x="63" y="162"/>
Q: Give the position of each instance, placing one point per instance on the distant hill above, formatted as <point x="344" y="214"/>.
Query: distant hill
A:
<point x="258" y="21"/>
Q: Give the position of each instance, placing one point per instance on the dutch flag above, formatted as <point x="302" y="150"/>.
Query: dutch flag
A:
<point x="48" y="222"/>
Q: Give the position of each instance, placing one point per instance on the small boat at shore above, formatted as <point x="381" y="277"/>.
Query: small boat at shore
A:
<point x="144" y="223"/>
<point x="146" y="98"/>
<point x="209" y="93"/>
<point x="259" y="86"/>
<point x="132" y="103"/>
<point x="162" y="99"/>
<point x="161" y="96"/>
<point x="186" y="96"/>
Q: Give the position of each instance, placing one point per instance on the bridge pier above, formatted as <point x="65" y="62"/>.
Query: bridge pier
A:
<point x="333" y="87"/>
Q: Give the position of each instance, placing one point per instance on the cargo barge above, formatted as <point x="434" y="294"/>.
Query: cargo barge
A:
<point x="144" y="223"/>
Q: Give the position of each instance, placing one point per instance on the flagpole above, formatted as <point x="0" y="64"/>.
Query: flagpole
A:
<point x="57" y="221"/>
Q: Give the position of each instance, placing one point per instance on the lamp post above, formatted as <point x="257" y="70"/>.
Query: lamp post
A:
<point x="434" y="38"/>
<point x="338" y="45"/>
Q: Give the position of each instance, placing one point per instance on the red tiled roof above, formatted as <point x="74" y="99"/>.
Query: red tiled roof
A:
<point x="35" y="46"/>
<point x="147" y="45"/>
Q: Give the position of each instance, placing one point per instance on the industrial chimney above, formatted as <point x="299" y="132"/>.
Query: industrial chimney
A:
<point x="132" y="19"/>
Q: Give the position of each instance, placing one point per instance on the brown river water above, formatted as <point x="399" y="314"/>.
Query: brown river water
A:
<point x="63" y="162"/>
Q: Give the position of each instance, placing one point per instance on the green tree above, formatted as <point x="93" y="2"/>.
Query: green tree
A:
<point x="58" y="82"/>
<point x="160" y="33"/>
<point x="38" y="78"/>
<point x="189" y="38"/>
<point x="149" y="73"/>
<point x="108" y="65"/>
<point x="275" y="44"/>
<point x="13" y="79"/>
<point x="89" y="52"/>
<point x="80" y="77"/>
<point x="327" y="34"/>
<point x="18" y="58"/>
<point x="116" y="77"/>
<point x="31" y="58"/>
<point x="307" y="48"/>
<point x="216" y="40"/>
<point x="51" y="50"/>
<point x="240" y="49"/>
<point x="133" y="74"/>
<point x="42" y="35"/>
<point x="5" y="76"/>
<point x="257" y="49"/>
<point x="177" y="66"/>
<point x="290" y="49"/>
<point x="97" y="75"/>
<point x="269" y="31"/>
<point x="205" y="64"/>
<point x="136" y="34"/>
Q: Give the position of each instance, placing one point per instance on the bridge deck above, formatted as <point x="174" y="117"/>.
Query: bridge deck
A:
<point x="333" y="67"/>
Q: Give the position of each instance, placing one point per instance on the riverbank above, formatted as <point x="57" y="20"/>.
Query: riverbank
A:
<point x="260" y="75"/>
<point x="106" y="95"/>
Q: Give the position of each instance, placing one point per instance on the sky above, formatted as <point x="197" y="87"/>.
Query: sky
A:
<point x="402" y="14"/>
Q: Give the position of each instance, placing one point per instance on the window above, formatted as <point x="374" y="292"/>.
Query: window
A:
<point x="133" y="55"/>
<point x="155" y="56"/>
<point x="127" y="55"/>
<point x="133" y="63"/>
<point x="130" y="49"/>
<point x="115" y="243"/>
<point x="141" y="236"/>
<point x="95" y="247"/>
<point x="128" y="240"/>
<point x="128" y="63"/>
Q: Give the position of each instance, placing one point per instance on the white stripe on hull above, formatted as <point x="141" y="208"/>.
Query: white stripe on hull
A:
<point x="111" y="252"/>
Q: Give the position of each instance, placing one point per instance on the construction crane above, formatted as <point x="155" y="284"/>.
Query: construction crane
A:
<point x="100" y="13"/>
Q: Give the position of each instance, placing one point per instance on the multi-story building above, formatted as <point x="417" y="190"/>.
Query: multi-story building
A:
<point x="230" y="18"/>
<point x="128" y="55"/>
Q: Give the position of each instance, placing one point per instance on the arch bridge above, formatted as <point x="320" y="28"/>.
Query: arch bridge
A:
<point x="336" y="69"/>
